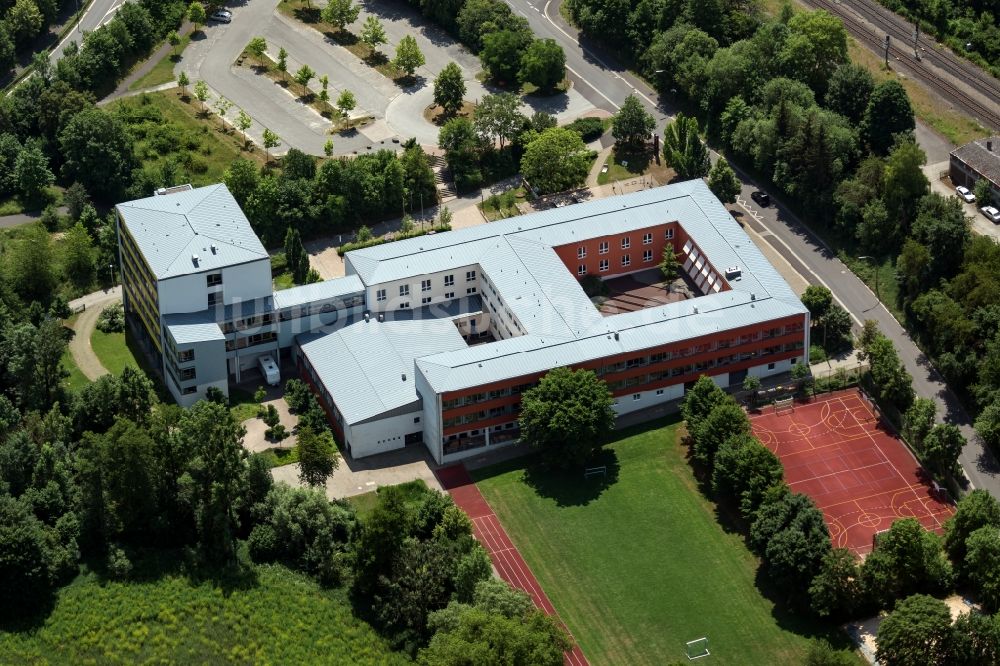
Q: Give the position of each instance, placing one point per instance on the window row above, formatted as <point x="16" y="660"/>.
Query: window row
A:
<point x="486" y="395"/>
<point x="658" y="357"/>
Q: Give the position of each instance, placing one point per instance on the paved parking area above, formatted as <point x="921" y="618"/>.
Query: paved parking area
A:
<point x="942" y="185"/>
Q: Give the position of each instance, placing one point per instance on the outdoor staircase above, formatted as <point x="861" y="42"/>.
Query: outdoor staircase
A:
<point x="442" y="178"/>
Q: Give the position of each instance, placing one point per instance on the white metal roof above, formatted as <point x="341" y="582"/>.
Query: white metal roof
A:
<point x="205" y="222"/>
<point x="189" y="329"/>
<point x="368" y="366"/>
<point x="319" y="291"/>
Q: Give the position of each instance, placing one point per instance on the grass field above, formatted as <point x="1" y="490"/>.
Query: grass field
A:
<point x="275" y="617"/>
<point x="628" y="163"/>
<point x="112" y="351"/>
<point x="163" y="70"/>
<point x="639" y="565"/>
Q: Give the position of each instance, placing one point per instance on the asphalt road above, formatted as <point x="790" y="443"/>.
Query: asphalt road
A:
<point x="606" y="85"/>
<point x="99" y="13"/>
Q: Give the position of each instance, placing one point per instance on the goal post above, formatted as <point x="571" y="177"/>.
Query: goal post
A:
<point x="697" y="648"/>
<point x="784" y="405"/>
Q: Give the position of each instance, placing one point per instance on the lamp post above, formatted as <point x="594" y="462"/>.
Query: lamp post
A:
<point x="875" y="266"/>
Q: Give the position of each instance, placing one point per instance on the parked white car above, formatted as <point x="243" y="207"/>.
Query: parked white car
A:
<point x="965" y="194"/>
<point x="991" y="213"/>
<point x="272" y="375"/>
<point x="222" y="16"/>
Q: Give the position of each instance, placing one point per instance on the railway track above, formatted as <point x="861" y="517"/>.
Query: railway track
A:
<point x="987" y="114"/>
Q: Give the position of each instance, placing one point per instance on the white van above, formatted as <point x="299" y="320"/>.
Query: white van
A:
<point x="270" y="370"/>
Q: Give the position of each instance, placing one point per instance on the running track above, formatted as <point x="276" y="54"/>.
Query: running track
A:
<point x="490" y="533"/>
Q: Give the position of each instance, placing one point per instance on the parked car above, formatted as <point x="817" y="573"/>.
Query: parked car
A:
<point x="272" y="375"/>
<point x="965" y="195"/>
<point x="991" y="213"/>
<point x="762" y="198"/>
<point x="222" y="16"/>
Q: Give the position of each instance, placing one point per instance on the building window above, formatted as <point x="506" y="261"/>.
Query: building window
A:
<point x="581" y="269"/>
<point x="626" y="260"/>
<point x="416" y="419"/>
<point x="670" y="233"/>
<point x="185" y="356"/>
<point x="213" y="279"/>
<point x="604" y="265"/>
<point x="470" y="290"/>
<point x="647" y="255"/>
<point x="449" y="294"/>
<point x="470" y="276"/>
<point x="425" y="285"/>
<point x="380" y="295"/>
<point x="770" y="366"/>
<point x="626" y="243"/>
<point x="189" y="390"/>
<point x="214" y="298"/>
<point x="425" y="300"/>
<point x="581" y="252"/>
<point x="659" y="391"/>
<point x="404" y="305"/>
<point x="636" y="396"/>
<point x="449" y="280"/>
<point x="647" y="239"/>
<point x="187" y="374"/>
<point x="404" y="290"/>
<point x="603" y="248"/>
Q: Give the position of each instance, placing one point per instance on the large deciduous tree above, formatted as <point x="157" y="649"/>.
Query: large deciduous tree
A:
<point x="683" y="149"/>
<point x="723" y="182"/>
<point x="340" y="13"/>
<point x="31" y="171"/>
<point x="555" y="161"/>
<point x="917" y="632"/>
<point x="816" y="46"/>
<point x="408" y="56"/>
<point x="567" y="416"/>
<point x="373" y="33"/>
<point x="498" y="117"/>
<point x="501" y="54"/>
<point x="317" y="456"/>
<point x="543" y="64"/>
<point x="887" y="115"/>
<point x="977" y="509"/>
<point x="850" y="89"/>
<point x="632" y="124"/>
<point x="97" y="152"/>
<point x="942" y="446"/>
<point x="449" y="88"/>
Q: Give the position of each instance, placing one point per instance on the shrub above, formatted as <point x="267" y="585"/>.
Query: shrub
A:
<point x="594" y="286"/>
<point x="112" y="319"/>
<point x="589" y="129"/>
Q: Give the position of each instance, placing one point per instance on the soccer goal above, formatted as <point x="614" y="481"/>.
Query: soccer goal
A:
<point x="784" y="405"/>
<point x="698" y="648"/>
<point x="877" y="537"/>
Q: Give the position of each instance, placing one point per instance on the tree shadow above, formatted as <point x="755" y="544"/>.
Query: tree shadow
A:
<point x="307" y="14"/>
<point x="575" y="486"/>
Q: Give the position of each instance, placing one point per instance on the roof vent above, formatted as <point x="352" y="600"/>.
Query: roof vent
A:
<point x="381" y="316"/>
<point x="696" y="309"/>
<point x="367" y="317"/>
<point x="753" y="297"/>
<point x="616" y="335"/>
<point x="215" y="248"/>
<point x="194" y="259"/>
<point x="734" y="273"/>
<point x="404" y="376"/>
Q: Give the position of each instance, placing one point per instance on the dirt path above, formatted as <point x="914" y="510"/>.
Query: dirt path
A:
<point x="79" y="346"/>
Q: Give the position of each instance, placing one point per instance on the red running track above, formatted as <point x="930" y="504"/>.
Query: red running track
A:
<point x="490" y="533"/>
<point x="835" y="450"/>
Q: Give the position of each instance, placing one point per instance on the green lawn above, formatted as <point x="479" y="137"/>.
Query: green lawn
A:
<point x="625" y="163"/>
<point x="638" y="565"/>
<point x="272" y="616"/>
<point x="163" y="70"/>
<point x="112" y="350"/>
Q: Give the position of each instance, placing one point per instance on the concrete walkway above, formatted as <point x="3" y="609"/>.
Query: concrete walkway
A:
<point x="145" y="67"/>
<point x="79" y="346"/>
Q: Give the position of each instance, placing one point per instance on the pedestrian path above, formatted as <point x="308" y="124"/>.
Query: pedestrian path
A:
<point x="490" y="533"/>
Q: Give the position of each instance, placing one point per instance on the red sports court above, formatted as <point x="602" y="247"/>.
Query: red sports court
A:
<point x="835" y="450"/>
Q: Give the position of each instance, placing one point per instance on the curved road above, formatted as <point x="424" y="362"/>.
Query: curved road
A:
<point x="99" y="13"/>
<point x="607" y="84"/>
<point x="79" y="346"/>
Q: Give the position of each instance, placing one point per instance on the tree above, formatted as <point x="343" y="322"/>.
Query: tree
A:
<point x="976" y="639"/>
<point x="502" y="52"/>
<point x="543" y="64"/>
<point x="324" y="93"/>
<point x="888" y="115"/>
<point x="835" y="591"/>
<point x="918" y="421"/>
<point x="744" y="469"/>
<point x="790" y="533"/>
<point x="850" y="88"/>
<point x="982" y="562"/>
<point x="723" y="182"/>
<point x="175" y="40"/>
<point x="408" y="55"/>
<point x="817" y="300"/>
<point x="31" y="558"/>
<point x="97" y="152"/>
<point x="941" y="226"/>
<point x="555" y="161"/>
<point x="700" y="400"/>
<point x="304" y="75"/>
<point x="196" y="14"/>
<point x="905" y="183"/>
<point x="942" y="446"/>
<point x="242" y="179"/>
<point x="317" y="456"/>
<point x="683" y="149"/>
<point x="449" y="89"/>
<point x="79" y="256"/>
<point x="461" y="145"/>
<point x="987" y="424"/>
<point x="815" y="47"/>
<point x="975" y="510"/>
<point x="25" y="21"/>
<point x="201" y="92"/>
<point x="726" y="420"/>
<point x="183" y="81"/>
<point x="345" y="102"/>
<point x="669" y="265"/>
<point x="876" y="232"/>
<point x="373" y="33"/>
<point x="893" y="382"/>
<point x="328" y="148"/>
<point x="498" y="118"/>
<point x="271" y="140"/>
<point x="917" y="632"/>
<point x="243" y="122"/>
<point x="632" y="125"/>
<point x="222" y="106"/>
<point x="340" y="13"/>
<point x="31" y="171"/>
<point x="567" y="416"/>
<point x="257" y="48"/>
<point x="983" y="191"/>
<point x="282" y="64"/>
